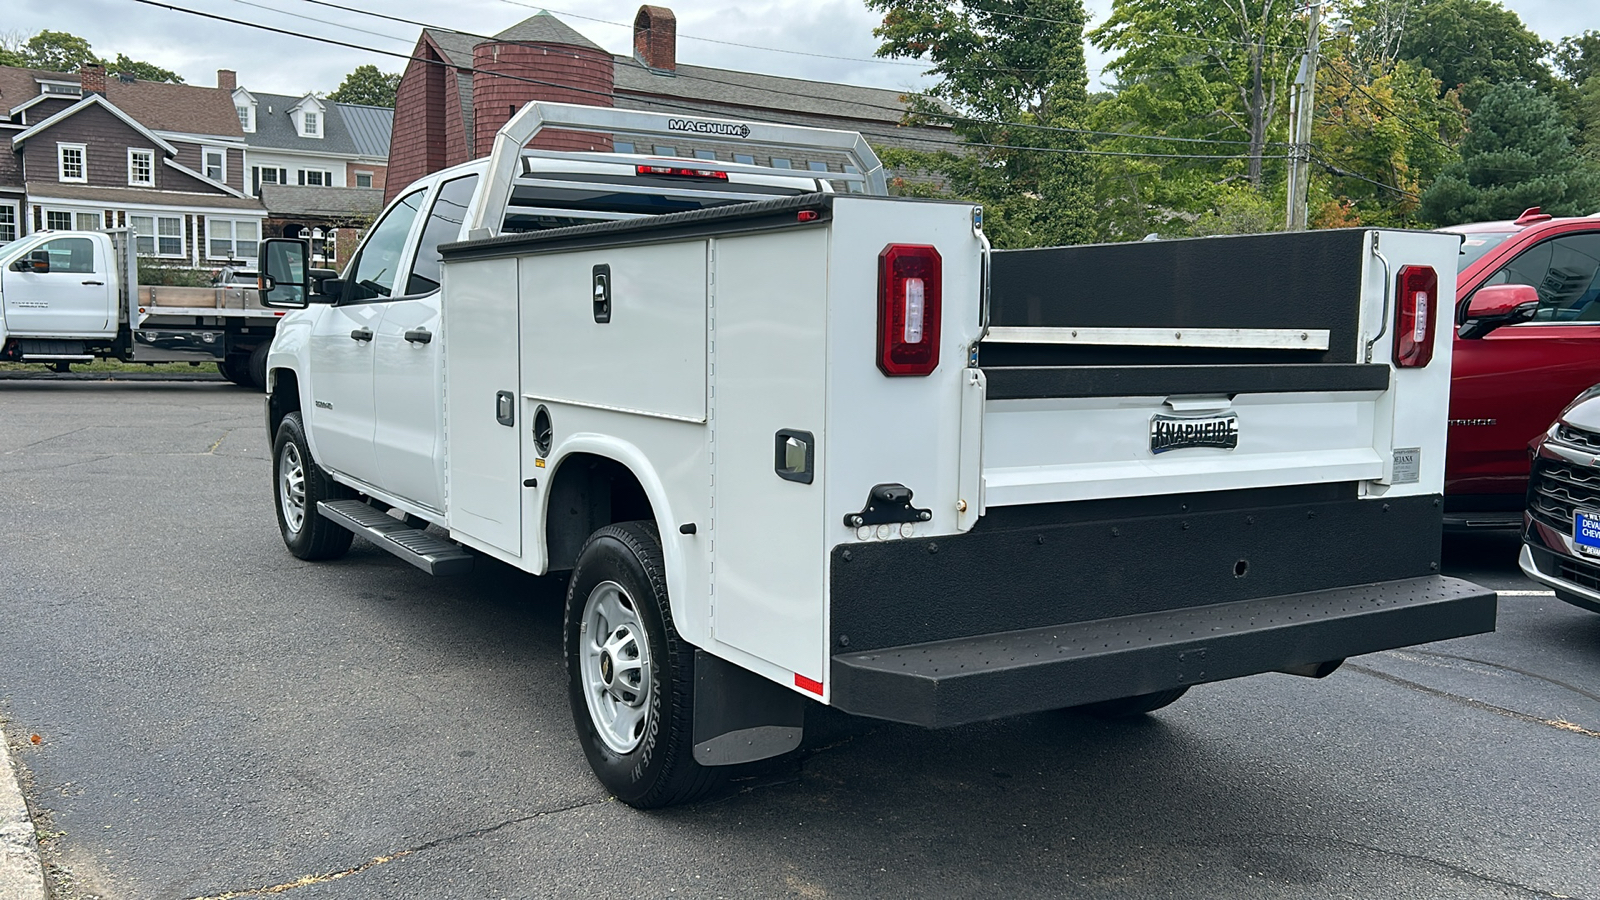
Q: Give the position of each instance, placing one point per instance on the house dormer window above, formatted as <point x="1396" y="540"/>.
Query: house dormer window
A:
<point x="308" y="117"/>
<point x="72" y="162"/>
<point x="245" y="105"/>
<point x="60" y="89"/>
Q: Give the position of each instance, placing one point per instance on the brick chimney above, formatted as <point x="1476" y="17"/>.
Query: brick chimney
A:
<point x="655" y="38"/>
<point x="93" y="78"/>
<point x="227" y="80"/>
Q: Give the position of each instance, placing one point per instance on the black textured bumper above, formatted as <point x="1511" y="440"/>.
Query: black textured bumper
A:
<point x="972" y="679"/>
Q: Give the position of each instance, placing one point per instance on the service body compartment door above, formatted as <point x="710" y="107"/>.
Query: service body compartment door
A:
<point x="769" y="370"/>
<point x="483" y="422"/>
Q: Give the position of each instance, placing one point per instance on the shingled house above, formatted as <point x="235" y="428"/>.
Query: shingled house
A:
<point x="90" y="150"/>
<point x="459" y="89"/>
<point x="318" y="166"/>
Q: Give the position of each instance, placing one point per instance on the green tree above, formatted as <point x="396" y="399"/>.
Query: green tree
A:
<point x="1467" y="44"/>
<point x="1578" y="57"/>
<point x="1008" y="72"/>
<point x="57" y="51"/>
<point x="367" y="86"/>
<point x="1237" y="55"/>
<point x="142" y="70"/>
<point x="1516" y="154"/>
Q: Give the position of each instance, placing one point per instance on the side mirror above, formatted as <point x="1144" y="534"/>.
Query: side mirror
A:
<point x="285" y="273"/>
<point x="1498" y="305"/>
<point x="326" y="286"/>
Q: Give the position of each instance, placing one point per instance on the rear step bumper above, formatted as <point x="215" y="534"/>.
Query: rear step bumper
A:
<point x="973" y="679"/>
<point x="430" y="553"/>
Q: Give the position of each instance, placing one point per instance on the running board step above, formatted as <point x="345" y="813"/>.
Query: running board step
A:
<point x="430" y="553"/>
<point x="57" y="357"/>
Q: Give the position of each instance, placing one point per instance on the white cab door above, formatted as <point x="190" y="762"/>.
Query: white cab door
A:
<point x="75" y="298"/>
<point x="408" y="372"/>
<point x="341" y="414"/>
<point x="342" y="417"/>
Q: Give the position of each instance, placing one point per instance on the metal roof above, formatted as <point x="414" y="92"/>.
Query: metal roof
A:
<point x="275" y="127"/>
<point x="369" y="127"/>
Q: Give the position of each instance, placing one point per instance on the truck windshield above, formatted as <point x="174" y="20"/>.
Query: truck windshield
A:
<point x="1475" y="245"/>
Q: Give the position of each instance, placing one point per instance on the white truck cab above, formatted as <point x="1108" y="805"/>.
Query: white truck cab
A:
<point x="797" y="445"/>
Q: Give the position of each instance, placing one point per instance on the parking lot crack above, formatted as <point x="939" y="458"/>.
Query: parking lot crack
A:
<point x="1513" y="669"/>
<point x="1558" y="724"/>
<point x="1449" y="867"/>
<point x="326" y="877"/>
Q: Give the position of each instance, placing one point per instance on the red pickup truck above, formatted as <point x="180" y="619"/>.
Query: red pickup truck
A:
<point x="1527" y="342"/>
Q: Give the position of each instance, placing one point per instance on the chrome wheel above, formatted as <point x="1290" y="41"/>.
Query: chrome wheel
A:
<point x="615" y="666"/>
<point x="292" y="487"/>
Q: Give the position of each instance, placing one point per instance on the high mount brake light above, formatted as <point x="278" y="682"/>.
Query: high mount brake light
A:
<point x="682" y="172"/>
<point x="1416" y="313"/>
<point x="910" y="286"/>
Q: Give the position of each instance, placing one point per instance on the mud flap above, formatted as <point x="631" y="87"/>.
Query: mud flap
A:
<point x="739" y="716"/>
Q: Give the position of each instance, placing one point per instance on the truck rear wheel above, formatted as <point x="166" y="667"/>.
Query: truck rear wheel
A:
<point x="298" y="484"/>
<point x="1127" y="707"/>
<point x="235" y="368"/>
<point x="629" y="675"/>
<point x="257" y="367"/>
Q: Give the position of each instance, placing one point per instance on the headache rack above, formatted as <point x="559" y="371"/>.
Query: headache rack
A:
<point x="510" y="169"/>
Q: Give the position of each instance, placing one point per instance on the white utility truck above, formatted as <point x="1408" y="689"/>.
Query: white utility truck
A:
<point x="74" y="296"/>
<point x="797" y="445"/>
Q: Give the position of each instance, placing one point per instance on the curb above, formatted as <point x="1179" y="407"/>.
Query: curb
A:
<point x="21" y="877"/>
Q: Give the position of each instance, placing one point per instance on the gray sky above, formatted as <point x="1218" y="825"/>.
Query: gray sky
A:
<point x="833" y="37"/>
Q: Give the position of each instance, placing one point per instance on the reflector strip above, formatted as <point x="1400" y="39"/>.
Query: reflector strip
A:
<point x="800" y="681"/>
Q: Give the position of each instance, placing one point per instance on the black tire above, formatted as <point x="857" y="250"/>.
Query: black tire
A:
<point x="236" y="368"/>
<point x="1127" y="707"/>
<point x="257" y="368"/>
<point x="314" y="537"/>
<point x="660" y="769"/>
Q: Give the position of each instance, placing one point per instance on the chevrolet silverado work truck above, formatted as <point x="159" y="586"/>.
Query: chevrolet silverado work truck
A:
<point x="73" y="296"/>
<point x="794" y="444"/>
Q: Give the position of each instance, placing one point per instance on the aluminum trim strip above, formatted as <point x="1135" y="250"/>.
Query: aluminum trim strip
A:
<point x="1225" y="338"/>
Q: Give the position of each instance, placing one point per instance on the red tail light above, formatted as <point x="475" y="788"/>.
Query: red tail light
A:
<point x="1417" y="310"/>
<point x="682" y="172"/>
<point x="910" y="281"/>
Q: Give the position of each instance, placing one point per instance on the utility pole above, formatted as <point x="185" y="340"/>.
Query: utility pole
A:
<point x="1301" y="108"/>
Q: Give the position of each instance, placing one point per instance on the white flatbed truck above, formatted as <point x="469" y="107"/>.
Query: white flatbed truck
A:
<point x="74" y="296"/>
<point x="801" y="446"/>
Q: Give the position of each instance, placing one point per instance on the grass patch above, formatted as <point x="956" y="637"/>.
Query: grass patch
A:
<point x="114" y="367"/>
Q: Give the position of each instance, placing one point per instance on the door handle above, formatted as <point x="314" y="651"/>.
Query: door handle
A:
<point x="96" y="283"/>
<point x="361" y="334"/>
<point x="419" y="336"/>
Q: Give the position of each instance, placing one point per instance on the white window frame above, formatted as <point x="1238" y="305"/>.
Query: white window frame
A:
<point x="310" y="123"/>
<point x="247" y="117"/>
<point x="327" y="178"/>
<point x="155" y="237"/>
<point x="16" y="221"/>
<point x="233" y="237"/>
<point x="83" y="163"/>
<point x="222" y="166"/>
<point x="69" y="213"/>
<point x="134" y="154"/>
<point x="360" y="175"/>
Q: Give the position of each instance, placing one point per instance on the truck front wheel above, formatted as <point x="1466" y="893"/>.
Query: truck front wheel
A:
<point x="298" y="484"/>
<point x="629" y="675"/>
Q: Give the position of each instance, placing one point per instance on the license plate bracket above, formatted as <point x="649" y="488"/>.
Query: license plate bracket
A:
<point x="1586" y="533"/>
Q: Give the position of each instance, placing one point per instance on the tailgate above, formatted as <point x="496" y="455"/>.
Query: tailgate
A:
<point x="1193" y="365"/>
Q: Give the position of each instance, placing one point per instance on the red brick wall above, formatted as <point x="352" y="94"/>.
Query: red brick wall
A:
<point x="378" y="174"/>
<point x="417" y="141"/>
<point x="555" y="72"/>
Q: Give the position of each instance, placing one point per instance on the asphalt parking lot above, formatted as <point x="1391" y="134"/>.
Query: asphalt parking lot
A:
<point x="217" y="719"/>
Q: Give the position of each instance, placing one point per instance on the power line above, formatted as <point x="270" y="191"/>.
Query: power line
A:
<point x="894" y="109"/>
<point x="323" y="21"/>
<point x="1334" y="170"/>
<point x="660" y="103"/>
